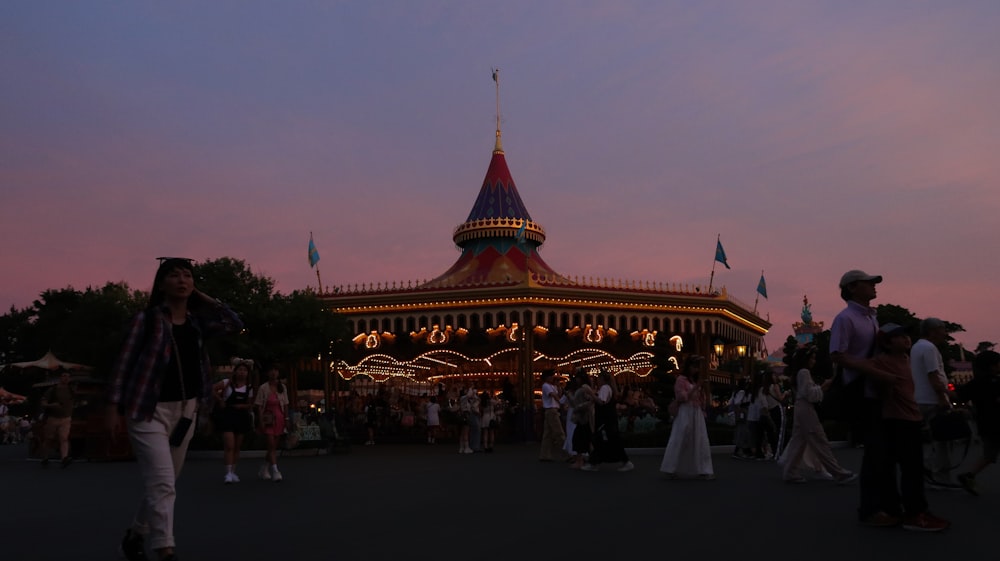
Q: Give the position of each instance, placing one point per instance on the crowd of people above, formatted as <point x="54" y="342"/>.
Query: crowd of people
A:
<point x="891" y="390"/>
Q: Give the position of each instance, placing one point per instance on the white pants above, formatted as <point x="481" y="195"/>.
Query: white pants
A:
<point x="160" y="466"/>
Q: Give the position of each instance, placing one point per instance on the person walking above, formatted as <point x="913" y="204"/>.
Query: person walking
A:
<point x="475" y="432"/>
<point x="900" y="433"/>
<point x="808" y="436"/>
<point x="931" y="393"/>
<point x="553" y="436"/>
<point x="57" y="403"/>
<point x="566" y="403"/>
<point x="157" y="380"/>
<point x="608" y="445"/>
<point x="775" y="399"/>
<point x="583" y="416"/>
<point x="271" y="406"/>
<point x="371" y="419"/>
<point x="742" y="438"/>
<point x="852" y="339"/>
<point x="688" y="452"/>
<point x="234" y="398"/>
<point x="433" y="419"/>
<point x="984" y="393"/>
<point x="489" y="420"/>
<point x="761" y="425"/>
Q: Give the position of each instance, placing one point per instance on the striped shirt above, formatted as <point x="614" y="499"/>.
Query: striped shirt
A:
<point x="142" y="362"/>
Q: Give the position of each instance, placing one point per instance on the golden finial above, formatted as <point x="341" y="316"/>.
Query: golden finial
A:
<point x="498" y="148"/>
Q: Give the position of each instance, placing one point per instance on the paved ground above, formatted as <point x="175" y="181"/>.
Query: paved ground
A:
<point x="423" y="502"/>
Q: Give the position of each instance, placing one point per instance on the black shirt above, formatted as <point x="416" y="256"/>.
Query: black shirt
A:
<point x="189" y="349"/>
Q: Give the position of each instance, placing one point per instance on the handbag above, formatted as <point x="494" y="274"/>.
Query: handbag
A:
<point x="950" y="425"/>
<point x="267" y="419"/>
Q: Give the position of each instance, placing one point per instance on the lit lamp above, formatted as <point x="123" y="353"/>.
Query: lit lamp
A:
<point x="720" y="348"/>
<point x="741" y="350"/>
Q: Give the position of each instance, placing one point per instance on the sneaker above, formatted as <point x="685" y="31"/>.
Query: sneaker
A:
<point x="133" y="546"/>
<point x="925" y="522"/>
<point x="263" y="472"/>
<point x="881" y="519"/>
<point x="228" y="478"/>
<point x="627" y="466"/>
<point x="589" y="467"/>
<point x="275" y="474"/>
<point x="968" y="482"/>
<point x="236" y="478"/>
<point x="846" y="478"/>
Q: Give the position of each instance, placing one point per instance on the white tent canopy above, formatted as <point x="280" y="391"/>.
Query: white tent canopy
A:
<point x="47" y="362"/>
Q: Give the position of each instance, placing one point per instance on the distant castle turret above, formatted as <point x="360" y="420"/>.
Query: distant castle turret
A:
<point x="807" y="329"/>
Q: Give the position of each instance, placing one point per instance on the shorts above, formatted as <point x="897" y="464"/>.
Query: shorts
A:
<point x="57" y="426"/>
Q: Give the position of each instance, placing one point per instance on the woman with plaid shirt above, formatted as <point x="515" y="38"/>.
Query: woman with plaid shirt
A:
<point x="158" y="379"/>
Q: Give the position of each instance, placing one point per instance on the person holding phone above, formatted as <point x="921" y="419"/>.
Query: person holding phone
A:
<point x="158" y="379"/>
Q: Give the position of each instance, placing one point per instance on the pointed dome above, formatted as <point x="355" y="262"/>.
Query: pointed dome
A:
<point x="498" y="197"/>
<point x="499" y="210"/>
<point x="499" y="240"/>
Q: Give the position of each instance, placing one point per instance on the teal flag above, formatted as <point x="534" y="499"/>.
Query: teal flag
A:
<point x="762" y="286"/>
<point x="313" y="253"/>
<point x="720" y="254"/>
<point x="520" y="231"/>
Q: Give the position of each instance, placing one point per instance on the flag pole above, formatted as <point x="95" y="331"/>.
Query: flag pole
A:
<point x="711" y="278"/>
<point x="756" y="297"/>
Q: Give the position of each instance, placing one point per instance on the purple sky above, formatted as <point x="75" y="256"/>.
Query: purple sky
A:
<point x="815" y="138"/>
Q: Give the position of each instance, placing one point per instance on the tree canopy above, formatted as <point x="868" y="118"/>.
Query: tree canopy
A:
<point x="88" y="326"/>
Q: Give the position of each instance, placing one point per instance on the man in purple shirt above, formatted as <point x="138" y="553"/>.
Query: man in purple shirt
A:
<point x="853" y="335"/>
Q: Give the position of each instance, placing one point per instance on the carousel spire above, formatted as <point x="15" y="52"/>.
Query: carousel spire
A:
<point x="498" y="148"/>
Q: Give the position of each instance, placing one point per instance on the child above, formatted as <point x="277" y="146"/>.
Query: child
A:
<point x="984" y="392"/>
<point x="901" y="424"/>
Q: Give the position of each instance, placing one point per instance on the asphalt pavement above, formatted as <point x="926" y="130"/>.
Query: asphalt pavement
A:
<point x="428" y="502"/>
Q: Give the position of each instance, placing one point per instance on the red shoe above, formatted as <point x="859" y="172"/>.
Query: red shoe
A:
<point x="925" y="522"/>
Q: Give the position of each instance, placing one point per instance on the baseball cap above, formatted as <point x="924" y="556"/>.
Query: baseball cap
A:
<point x="891" y="329"/>
<point x="856" y="275"/>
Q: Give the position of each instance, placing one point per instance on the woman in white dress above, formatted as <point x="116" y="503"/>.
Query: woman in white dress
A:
<point x="688" y="452"/>
<point x="808" y="437"/>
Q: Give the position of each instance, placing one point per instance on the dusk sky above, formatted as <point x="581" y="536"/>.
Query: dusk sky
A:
<point x="815" y="137"/>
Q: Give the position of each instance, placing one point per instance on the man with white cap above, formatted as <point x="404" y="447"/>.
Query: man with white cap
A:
<point x="853" y="335"/>
<point x="931" y="393"/>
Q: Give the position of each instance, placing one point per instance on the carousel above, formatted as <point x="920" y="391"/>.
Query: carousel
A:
<point x="500" y="314"/>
